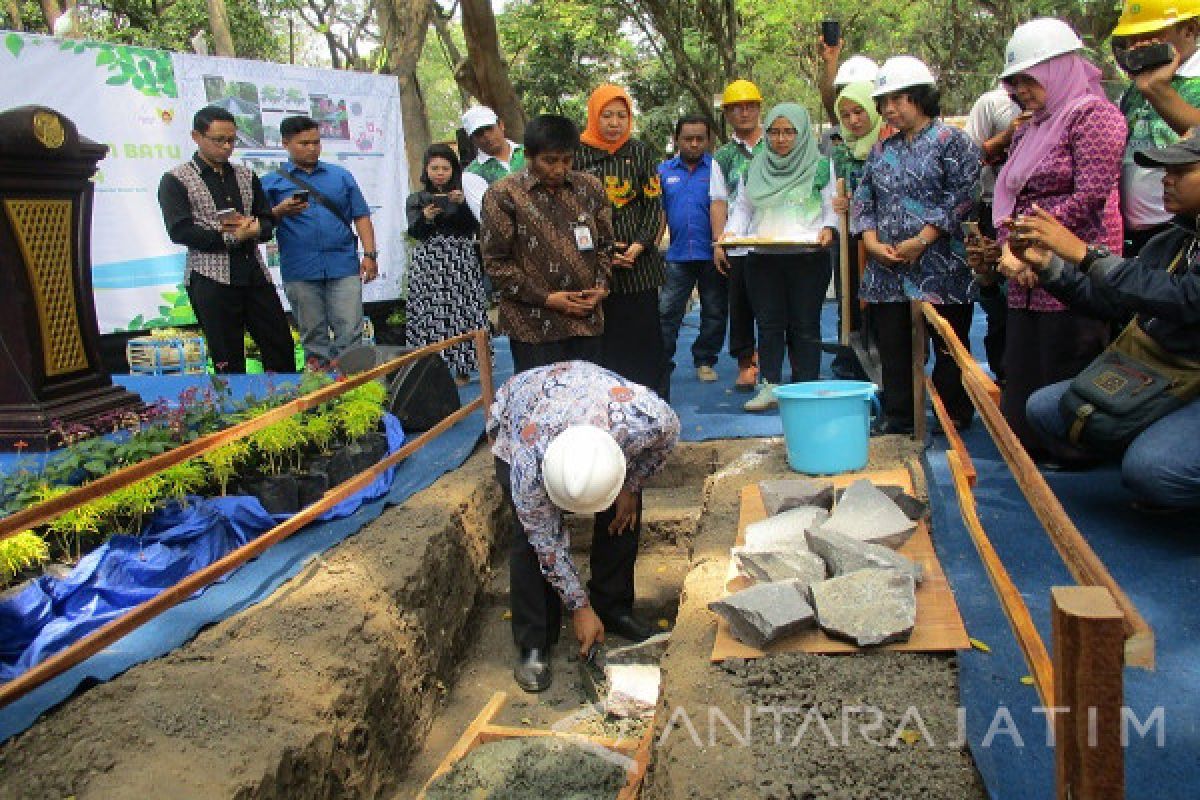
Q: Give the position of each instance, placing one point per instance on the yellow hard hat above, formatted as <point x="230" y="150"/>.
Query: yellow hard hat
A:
<point x="1144" y="16"/>
<point x="741" y="91"/>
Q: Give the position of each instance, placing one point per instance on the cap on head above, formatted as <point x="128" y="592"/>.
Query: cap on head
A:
<point x="478" y="117"/>
<point x="902" y="72"/>
<point x="583" y="469"/>
<point x="855" y="69"/>
<point x="1185" y="151"/>
<point x="741" y="91"/>
<point x="1146" y="16"/>
<point x="1036" y="41"/>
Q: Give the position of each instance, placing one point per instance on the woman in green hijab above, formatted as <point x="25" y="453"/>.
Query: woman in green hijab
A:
<point x="787" y="198"/>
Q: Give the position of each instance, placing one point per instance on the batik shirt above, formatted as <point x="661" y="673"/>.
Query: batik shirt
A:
<point x="533" y="407"/>
<point x="906" y="186"/>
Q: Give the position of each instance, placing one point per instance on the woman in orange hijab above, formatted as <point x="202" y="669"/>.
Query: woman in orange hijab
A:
<point x="628" y="172"/>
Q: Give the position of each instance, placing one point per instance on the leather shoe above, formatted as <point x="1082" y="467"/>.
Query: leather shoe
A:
<point x="532" y="672"/>
<point x="629" y="627"/>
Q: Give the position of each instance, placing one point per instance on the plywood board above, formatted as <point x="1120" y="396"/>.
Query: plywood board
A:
<point x="939" y="626"/>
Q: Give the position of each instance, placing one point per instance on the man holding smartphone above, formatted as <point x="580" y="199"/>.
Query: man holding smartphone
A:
<point x="1155" y="42"/>
<point x="320" y="209"/>
<point x="219" y="212"/>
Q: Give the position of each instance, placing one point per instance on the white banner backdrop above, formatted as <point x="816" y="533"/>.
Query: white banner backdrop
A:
<point x="140" y="103"/>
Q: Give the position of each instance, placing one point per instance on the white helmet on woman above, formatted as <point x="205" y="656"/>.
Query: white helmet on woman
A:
<point x="855" y="69"/>
<point x="583" y="469"/>
<point x="902" y="72"/>
<point x="1036" y="41"/>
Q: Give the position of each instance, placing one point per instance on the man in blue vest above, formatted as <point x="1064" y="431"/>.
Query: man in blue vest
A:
<point x="685" y="186"/>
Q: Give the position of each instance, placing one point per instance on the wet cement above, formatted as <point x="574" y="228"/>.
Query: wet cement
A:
<point x="520" y="769"/>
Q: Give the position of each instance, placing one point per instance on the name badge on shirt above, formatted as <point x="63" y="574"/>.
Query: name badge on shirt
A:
<point x="583" y="237"/>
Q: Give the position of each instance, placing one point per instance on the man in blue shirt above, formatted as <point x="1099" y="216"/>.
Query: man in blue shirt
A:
<point x="685" y="183"/>
<point x="319" y="208"/>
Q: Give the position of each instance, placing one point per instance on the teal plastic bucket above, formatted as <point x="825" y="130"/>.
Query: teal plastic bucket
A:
<point x="826" y="424"/>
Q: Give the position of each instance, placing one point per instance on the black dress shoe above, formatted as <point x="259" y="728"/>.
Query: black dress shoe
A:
<point x="629" y="627"/>
<point x="885" y="427"/>
<point x="532" y="672"/>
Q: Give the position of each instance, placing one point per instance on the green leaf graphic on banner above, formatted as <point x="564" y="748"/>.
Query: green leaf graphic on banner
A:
<point x="105" y="57"/>
<point x="117" y="80"/>
<point x="14" y="43"/>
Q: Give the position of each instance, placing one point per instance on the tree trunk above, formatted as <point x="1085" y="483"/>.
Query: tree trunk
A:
<point x="491" y="73"/>
<point x="52" y="11"/>
<point x="464" y="75"/>
<point x="14" y="12"/>
<point x="218" y="24"/>
<point x="402" y="27"/>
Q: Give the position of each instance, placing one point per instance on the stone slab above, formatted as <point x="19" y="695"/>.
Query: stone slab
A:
<point x="868" y="607"/>
<point x="785" y="531"/>
<point x="783" y="495"/>
<point x="844" y="555"/>
<point x="766" y="612"/>
<point x="769" y="566"/>
<point x="867" y="514"/>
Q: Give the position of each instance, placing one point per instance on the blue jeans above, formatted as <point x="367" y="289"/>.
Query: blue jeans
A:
<point x="682" y="277"/>
<point x="1161" y="465"/>
<point x="321" y="306"/>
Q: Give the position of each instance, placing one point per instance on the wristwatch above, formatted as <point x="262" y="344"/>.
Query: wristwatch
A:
<point x="371" y="254"/>
<point x="1094" y="253"/>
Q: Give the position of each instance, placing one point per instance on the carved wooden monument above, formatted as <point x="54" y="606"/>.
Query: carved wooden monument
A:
<point x="50" y="368"/>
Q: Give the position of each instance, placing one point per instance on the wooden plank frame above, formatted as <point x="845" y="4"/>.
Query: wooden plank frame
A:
<point x="952" y="434"/>
<point x="114" y="630"/>
<point x="483" y="730"/>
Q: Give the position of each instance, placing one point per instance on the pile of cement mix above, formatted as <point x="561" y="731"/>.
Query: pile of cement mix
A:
<point x="532" y="767"/>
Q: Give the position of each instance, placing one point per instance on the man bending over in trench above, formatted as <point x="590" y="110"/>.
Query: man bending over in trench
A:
<point x="573" y="436"/>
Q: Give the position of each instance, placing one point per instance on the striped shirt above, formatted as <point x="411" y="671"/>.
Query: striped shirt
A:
<point x="630" y="179"/>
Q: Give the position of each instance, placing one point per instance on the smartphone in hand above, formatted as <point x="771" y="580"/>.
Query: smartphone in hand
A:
<point x="831" y="32"/>
<point x="301" y="195"/>
<point x="971" y="230"/>
<point x="227" y="215"/>
<point x="442" y="201"/>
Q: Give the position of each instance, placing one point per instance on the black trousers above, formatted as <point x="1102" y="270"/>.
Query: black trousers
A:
<point x="786" y="293"/>
<point x="633" y="345"/>
<point x="536" y="606"/>
<point x="741" y="315"/>
<point x="528" y="355"/>
<point x="893" y="324"/>
<point x="226" y="313"/>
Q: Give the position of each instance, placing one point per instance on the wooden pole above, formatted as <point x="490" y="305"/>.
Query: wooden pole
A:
<point x="1089" y="762"/>
<point x="483" y="356"/>
<point x="139" y="615"/>
<point x="919" y="337"/>
<point x="106" y="484"/>
<point x="844" y="265"/>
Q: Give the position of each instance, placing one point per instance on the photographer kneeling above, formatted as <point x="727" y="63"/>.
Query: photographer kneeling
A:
<point x="1138" y="399"/>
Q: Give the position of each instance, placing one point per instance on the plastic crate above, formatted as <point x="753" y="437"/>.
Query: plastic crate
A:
<point x="155" y="355"/>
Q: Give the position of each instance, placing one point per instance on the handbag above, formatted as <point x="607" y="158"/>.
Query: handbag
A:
<point x="1133" y="383"/>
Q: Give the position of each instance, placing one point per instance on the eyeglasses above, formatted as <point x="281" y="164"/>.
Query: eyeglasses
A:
<point x="782" y="133"/>
<point x="222" y="140"/>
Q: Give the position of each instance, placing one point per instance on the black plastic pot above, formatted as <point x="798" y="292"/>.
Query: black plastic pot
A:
<point x="311" y="487"/>
<point x="279" y="494"/>
<point x="368" y="451"/>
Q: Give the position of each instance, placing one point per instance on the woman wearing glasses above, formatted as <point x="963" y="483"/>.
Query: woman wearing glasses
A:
<point x="787" y="196"/>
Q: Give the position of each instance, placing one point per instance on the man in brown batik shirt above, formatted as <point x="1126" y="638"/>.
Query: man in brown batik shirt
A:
<point x="547" y="240"/>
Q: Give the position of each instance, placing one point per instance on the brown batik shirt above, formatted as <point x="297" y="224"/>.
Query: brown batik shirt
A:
<point x="530" y="250"/>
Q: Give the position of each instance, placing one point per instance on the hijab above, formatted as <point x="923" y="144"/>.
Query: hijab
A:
<point x="860" y="94"/>
<point x="602" y="96"/>
<point x="772" y="179"/>
<point x="1070" y="80"/>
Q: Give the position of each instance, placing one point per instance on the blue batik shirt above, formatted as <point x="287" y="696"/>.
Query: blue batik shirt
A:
<point x="316" y="244"/>
<point x="906" y="186"/>
<point x="686" y="201"/>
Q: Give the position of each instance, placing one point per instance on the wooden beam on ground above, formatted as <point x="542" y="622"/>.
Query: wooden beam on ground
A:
<point x="919" y="337"/>
<point x="1019" y="618"/>
<point x="44" y="512"/>
<point x="137" y="616"/>
<point x="966" y="362"/>
<point x="952" y="434"/>
<point x="1089" y="761"/>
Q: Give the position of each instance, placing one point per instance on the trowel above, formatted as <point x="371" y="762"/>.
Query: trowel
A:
<point x="591" y="674"/>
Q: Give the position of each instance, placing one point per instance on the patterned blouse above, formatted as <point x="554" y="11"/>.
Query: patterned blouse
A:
<point x="906" y="186"/>
<point x="1078" y="184"/>
<point x="533" y="407"/>
<point x="630" y="179"/>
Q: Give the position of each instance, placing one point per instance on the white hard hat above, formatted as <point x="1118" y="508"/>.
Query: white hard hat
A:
<point x="1036" y="41"/>
<point x="583" y="469"/>
<point x="902" y="72"/>
<point x="477" y="117"/>
<point x="856" y="69"/>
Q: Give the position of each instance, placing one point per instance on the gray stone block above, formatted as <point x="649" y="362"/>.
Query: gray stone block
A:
<point x="765" y="612"/>
<point x="869" y="515"/>
<point x="913" y="508"/>
<point x="768" y="566"/>
<point x="782" y="495"/>
<point x="869" y="607"/>
<point x="844" y="555"/>
<point x="784" y="531"/>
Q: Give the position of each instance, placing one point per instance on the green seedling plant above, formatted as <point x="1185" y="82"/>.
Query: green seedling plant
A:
<point x="321" y="430"/>
<point x="278" y="443"/>
<point x="183" y="479"/>
<point x="223" y="462"/>
<point x="23" y="551"/>
<point x="360" y="410"/>
<point x="72" y="528"/>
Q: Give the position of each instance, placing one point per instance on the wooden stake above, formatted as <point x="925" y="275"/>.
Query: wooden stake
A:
<point x="1089" y="762"/>
<point x="844" y="264"/>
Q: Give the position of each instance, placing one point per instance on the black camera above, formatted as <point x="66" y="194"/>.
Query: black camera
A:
<point x="1144" y="57"/>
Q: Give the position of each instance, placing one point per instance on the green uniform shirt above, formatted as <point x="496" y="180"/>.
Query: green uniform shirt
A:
<point x="493" y="169"/>
<point x="734" y="159"/>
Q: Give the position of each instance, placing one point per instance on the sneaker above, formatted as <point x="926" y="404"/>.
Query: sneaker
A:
<point x="764" y="400"/>
<point x="706" y="373"/>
